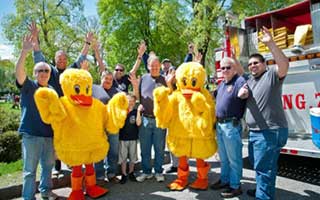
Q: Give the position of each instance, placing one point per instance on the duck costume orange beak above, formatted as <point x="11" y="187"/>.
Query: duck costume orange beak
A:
<point x="188" y="92"/>
<point x="82" y="100"/>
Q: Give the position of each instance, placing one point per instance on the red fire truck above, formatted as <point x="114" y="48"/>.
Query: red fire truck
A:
<point x="301" y="89"/>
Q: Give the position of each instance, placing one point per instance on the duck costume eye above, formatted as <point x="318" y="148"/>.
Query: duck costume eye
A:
<point x="184" y="81"/>
<point x="193" y="82"/>
<point x="77" y="88"/>
<point x="87" y="89"/>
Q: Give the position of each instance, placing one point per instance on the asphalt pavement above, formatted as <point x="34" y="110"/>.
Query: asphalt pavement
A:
<point x="286" y="189"/>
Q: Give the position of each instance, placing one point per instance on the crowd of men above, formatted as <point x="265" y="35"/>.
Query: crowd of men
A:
<point x="255" y="97"/>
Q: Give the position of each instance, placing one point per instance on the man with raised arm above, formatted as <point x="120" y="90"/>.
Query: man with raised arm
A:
<point x="265" y="116"/>
<point x="60" y="65"/>
<point x="37" y="142"/>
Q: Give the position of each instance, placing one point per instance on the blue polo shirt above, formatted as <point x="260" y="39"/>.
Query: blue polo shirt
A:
<point x="228" y="104"/>
<point x="31" y="122"/>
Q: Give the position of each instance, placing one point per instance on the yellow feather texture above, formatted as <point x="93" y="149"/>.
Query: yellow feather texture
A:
<point x="188" y="113"/>
<point x="79" y="131"/>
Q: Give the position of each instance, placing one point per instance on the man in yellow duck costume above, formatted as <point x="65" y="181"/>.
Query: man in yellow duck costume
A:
<point x="79" y="122"/>
<point x="188" y="113"/>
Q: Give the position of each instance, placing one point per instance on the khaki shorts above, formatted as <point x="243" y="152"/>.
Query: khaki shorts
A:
<point x="128" y="149"/>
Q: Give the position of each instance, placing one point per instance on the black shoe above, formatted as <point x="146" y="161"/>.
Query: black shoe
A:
<point x="132" y="177"/>
<point x="251" y="192"/>
<point x="218" y="185"/>
<point x="123" y="179"/>
<point x="230" y="192"/>
<point x="172" y="169"/>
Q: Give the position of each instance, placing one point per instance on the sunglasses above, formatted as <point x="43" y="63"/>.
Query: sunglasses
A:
<point x="43" y="70"/>
<point x="226" y="68"/>
<point x="253" y="63"/>
<point x="118" y="70"/>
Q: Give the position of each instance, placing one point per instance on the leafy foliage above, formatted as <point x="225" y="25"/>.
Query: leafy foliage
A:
<point x="159" y="22"/>
<point x="7" y="83"/>
<point x="60" y="24"/>
<point x="205" y="27"/>
<point x="9" y="118"/>
<point x="10" y="147"/>
<point x="248" y="8"/>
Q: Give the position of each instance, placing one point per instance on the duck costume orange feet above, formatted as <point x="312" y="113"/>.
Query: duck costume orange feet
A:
<point x="79" y="122"/>
<point x="189" y="114"/>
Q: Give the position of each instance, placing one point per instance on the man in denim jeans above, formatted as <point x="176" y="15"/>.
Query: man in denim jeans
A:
<point x="265" y="117"/>
<point x="231" y="97"/>
<point x="149" y="134"/>
<point x="37" y="142"/>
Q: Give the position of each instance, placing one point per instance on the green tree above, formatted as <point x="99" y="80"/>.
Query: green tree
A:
<point x="206" y="28"/>
<point x="59" y="23"/>
<point x="160" y="23"/>
<point x="7" y="83"/>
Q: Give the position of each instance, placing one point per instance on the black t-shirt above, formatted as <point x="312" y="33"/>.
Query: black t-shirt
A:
<point x="130" y="131"/>
<point x="122" y="84"/>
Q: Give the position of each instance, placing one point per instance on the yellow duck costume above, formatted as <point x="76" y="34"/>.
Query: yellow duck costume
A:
<point x="79" y="122"/>
<point x="188" y="114"/>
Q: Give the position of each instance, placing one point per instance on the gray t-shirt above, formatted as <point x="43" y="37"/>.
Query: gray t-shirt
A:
<point x="147" y="85"/>
<point x="264" y="105"/>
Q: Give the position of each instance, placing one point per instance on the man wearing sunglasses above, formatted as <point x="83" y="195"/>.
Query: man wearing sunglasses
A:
<point x="231" y="97"/>
<point x="37" y="141"/>
<point x="60" y="61"/>
<point x="121" y="80"/>
<point x="268" y="128"/>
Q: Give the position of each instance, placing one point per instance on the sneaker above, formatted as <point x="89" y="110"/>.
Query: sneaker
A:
<point x="123" y="179"/>
<point x="114" y="180"/>
<point x="132" y="177"/>
<point x="55" y="172"/>
<point x="219" y="185"/>
<point x="172" y="169"/>
<point x="159" y="177"/>
<point x="143" y="177"/>
<point x="230" y="193"/>
<point x="251" y="192"/>
<point x="49" y="196"/>
<point x="106" y="179"/>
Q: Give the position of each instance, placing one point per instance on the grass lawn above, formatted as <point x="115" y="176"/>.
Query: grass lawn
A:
<point x="8" y="168"/>
<point x="10" y="173"/>
<point x="7" y="106"/>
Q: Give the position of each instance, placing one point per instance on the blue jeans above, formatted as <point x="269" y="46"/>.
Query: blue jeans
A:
<point x="150" y="135"/>
<point x="36" y="149"/>
<point x="99" y="169"/>
<point x="264" y="151"/>
<point x="230" y="153"/>
<point x="111" y="161"/>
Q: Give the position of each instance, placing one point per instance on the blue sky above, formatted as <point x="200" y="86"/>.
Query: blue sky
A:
<point x="7" y="7"/>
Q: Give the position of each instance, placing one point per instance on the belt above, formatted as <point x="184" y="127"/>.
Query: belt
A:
<point x="149" y="116"/>
<point x="227" y="120"/>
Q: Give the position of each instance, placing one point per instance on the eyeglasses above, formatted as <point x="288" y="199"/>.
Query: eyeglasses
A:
<point x="118" y="70"/>
<point x="226" y="68"/>
<point x="43" y="70"/>
<point x="253" y="63"/>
